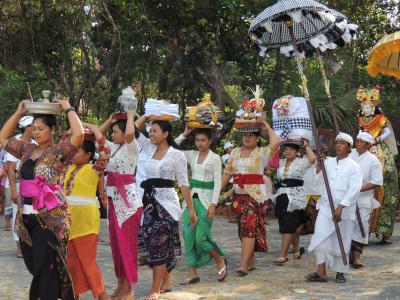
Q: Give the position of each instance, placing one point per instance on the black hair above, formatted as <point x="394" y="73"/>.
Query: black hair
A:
<point x="257" y="134"/>
<point x="121" y="123"/>
<point x="166" y="126"/>
<point x="22" y="129"/>
<point x="208" y="132"/>
<point x="89" y="147"/>
<point x="49" y="120"/>
<point x="205" y="131"/>
<point x="292" y="146"/>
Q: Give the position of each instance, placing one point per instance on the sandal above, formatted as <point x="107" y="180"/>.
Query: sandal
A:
<point x="242" y="273"/>
<point x="315" y="277"/>
<point x="252" y="269"/>
<point x="188" y="281"/>
<point x="340" y="278"/>
<point x="281" y="260"/>
<point x="299" y="254"/>
<point x="384" y="242"/>
<point x="222" y="271"/>
<point x="357" y="266"/>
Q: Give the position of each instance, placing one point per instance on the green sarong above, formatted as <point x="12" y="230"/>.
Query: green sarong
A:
<point x="198" y="240"/>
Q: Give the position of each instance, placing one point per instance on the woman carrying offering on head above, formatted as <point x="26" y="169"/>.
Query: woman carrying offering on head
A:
<point x="205" y="187"/>
<point x="44" y="224"/>
<point x="291" y="197"/>
<point x="125" y="204"/>
<point x="246" y="165"/>
<point x="164" y="167"/>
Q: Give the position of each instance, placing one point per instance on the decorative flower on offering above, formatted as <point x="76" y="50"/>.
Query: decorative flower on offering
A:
<point x="250" y="116"/>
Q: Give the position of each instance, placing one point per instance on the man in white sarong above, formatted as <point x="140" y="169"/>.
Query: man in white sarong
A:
<point x="345" y="180"/>
<point x="372" y="177"/>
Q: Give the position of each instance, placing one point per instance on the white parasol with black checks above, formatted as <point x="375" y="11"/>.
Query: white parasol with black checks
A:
<point x="314" y="25"/>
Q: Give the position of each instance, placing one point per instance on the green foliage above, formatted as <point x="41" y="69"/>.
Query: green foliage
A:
<point x="176" y="49"/>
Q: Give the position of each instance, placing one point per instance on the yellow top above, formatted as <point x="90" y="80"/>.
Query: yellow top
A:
<point x="373" y="125"/>
<point x="85" y="219"/>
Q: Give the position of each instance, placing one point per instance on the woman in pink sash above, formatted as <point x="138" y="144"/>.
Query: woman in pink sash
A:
<point x="44" y="224"/>
<point x="125" y="204"/>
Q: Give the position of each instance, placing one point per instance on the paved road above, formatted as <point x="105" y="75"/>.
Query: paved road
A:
<point x="379" y="280"/>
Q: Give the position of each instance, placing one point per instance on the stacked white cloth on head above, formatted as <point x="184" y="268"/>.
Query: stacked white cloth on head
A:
<point x="154" y="107"/>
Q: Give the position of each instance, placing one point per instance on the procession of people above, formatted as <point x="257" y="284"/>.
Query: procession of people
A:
<point x="56" y="187"/>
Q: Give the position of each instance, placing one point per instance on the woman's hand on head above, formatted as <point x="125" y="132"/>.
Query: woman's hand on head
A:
<point x="21" y="110"/>
<point x="64" y="104"/>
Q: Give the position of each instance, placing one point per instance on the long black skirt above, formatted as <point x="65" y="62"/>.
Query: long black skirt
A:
<point x="46" y="263"/>
<point x="289" y="221"/>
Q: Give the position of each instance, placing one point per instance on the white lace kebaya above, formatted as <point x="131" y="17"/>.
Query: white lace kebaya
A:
<point x="123" y="161"/>
<point x="208" y="171"/>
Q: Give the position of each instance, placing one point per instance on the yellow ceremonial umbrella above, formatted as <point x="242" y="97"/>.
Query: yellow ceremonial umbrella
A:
<point x="385" y="56"/>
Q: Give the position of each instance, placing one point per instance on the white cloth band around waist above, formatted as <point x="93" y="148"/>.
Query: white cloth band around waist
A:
<point x="81" y="200"/>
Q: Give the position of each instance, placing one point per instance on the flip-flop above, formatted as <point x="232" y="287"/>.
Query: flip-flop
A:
<point x="252" y="269"/>
<point x="315" y="277"/>
<point x="242" y="273"/>
<point x="280" y="261"/>
<point x="168" y="290"/>
<point x="188" y="281"/>
<point x="224" y="269"/>
<point x="299" y="254"/>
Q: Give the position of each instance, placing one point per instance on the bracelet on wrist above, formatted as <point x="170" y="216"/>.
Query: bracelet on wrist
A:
<point x="69" y="109"/>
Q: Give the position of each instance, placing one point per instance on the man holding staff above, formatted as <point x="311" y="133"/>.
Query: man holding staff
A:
<point x="345" y="180"/>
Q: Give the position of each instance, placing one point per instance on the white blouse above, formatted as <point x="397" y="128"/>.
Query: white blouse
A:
<point x="296" y="170"/>
<point x="209" y="170"/>
<point x="123" y="161"/>
<point x="172" y="166"/>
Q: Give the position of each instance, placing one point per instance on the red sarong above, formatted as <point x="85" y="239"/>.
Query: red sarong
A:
<point x="250" y="218"/>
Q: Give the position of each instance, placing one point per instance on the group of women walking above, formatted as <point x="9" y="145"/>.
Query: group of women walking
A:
<point x="58" y="220"/>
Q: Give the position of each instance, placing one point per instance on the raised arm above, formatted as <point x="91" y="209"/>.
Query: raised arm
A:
<point x="8" y="129"/>
<point x="104" y="127"/>
<point x="130" y="127"/>
<point x="310" y="154"/>
<point x="141" y="121"/>
<point x="104" y="151"/>
<point x="77" y="132"/>
<point x="274" y="140"/>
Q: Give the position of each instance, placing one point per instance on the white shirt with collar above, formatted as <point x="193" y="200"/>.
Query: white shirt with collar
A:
<point x="345" y="181"/>
<point x="371" y="173"/>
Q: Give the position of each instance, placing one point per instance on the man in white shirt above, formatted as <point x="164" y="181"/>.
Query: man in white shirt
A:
<point x="12" y="188"/>
<point x="372" y="178"/>
<point x="345" y="180"/>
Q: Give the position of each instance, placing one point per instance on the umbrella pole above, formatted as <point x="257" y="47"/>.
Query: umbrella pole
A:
<point x="333" y="112"/>
<point x="315" y="133"/>
<point x="328" y="91"/>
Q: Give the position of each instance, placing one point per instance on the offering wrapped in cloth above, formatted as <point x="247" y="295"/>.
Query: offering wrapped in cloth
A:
<point x="204" y="115"/>
<point x="291" y="119"/>
<point x="161" y="110"/>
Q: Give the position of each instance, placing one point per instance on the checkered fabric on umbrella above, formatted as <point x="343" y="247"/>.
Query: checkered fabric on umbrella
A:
<point x="315" y="26"/>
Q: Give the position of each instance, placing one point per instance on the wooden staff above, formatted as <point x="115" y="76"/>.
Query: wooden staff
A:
<point x="289" y="24"/>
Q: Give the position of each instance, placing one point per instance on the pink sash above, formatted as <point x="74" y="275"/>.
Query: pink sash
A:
<point x="119" y="181"/>
<point x="43" y="193"/>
